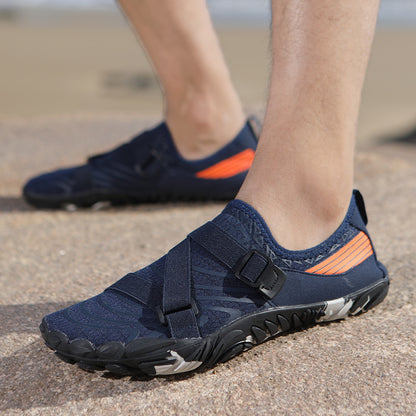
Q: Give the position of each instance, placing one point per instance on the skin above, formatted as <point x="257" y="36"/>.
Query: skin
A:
<point x="302" y="176"/>
<point x="202" y="108"/>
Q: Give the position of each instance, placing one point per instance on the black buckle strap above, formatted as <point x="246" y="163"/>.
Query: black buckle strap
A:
<point x="258" y="271"/>
<point x="151" y="166"/>
<point x="252" y="267"/>
<point x="178" y="310"/>
<point x="135" y="286"/>
<point x="163" y="315"/>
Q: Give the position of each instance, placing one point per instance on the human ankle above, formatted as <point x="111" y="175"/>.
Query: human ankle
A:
<point x="201" y="124"/>
<point x="300" y="219"/>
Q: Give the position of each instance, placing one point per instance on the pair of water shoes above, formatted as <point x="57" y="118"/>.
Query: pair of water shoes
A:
<point x="225" y="288"/>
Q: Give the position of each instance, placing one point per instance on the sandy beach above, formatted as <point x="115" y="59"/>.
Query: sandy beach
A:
<point x="91" y="63"/>
<point x="78" y="84"/>
<point x="83" y="64"/>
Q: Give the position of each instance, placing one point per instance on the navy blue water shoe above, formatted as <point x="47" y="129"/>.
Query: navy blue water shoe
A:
<point x="227" y="287"/>
<point x="147" y="169"/>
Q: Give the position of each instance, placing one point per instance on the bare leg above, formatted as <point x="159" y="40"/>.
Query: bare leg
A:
<point x="301" y="179"/>
<point x="203" y="110"/>
<point x="301" y="184"/>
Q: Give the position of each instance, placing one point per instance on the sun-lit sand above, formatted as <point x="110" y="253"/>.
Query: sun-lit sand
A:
<point x="83" y="64"/>
<point x="78" y="84"/>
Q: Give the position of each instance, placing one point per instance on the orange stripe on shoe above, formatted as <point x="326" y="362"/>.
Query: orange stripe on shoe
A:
<point x="356" y="253"/>
<point x="356" y="240"/>
<point x="342" y="256"/>
<point x="363" y="256"/>
<point x="349" y="256"/>
<point x="353" y="251"/>
<point x="229" y="167"/>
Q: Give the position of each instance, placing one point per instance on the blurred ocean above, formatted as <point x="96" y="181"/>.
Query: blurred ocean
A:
<point x="248" y="12"/>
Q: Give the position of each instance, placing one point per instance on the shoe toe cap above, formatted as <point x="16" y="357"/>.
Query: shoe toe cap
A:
<point x="59" y="182"/>
<point x="104" y="318"/>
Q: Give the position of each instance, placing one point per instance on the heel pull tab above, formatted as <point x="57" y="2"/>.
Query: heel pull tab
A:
<point x="255" y="126"/>
<point x="359" y="200"/>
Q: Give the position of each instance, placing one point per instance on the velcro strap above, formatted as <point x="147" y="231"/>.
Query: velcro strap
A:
<point x="135" y="286"/>
<point x="183" y="324"/>
<point x="252" y="267"/>
<point x="219" y="244"/>
<point x="178" y="308"/>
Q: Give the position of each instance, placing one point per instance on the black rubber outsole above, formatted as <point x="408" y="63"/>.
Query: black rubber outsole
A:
<point x="88" y="200"/>
<point x="167" y="356"/>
